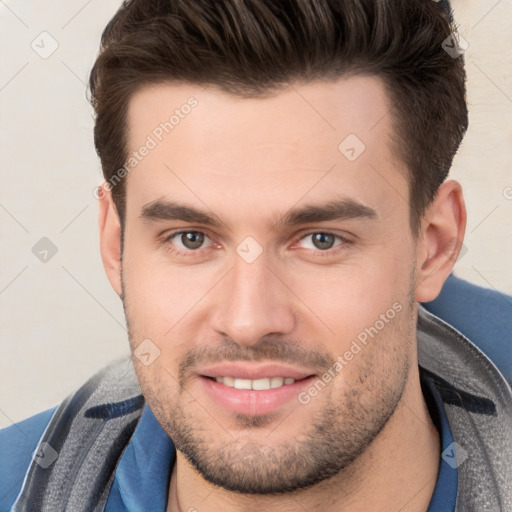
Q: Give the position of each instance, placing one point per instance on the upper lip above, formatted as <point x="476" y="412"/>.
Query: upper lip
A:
<point x="254" y="371"/>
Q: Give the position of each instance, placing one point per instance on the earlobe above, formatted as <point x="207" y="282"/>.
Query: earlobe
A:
<point x="440" y="240"/>
<point x="110" y="237"/>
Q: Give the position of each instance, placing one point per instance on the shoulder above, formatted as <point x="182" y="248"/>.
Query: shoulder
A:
<point x="482" y="315"/>
<point x="17" y="444"/>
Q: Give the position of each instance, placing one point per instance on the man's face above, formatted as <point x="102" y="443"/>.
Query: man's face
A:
<point x="299" y="267"/>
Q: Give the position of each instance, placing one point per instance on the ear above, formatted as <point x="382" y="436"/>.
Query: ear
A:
<point x="110" y="237"/>
<point x="440" y="240"/>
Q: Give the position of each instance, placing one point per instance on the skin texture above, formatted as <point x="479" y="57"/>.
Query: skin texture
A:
<point x="365" y="441"/>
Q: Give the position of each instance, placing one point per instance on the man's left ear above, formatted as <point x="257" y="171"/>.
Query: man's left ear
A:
<point x="440" y="240"/>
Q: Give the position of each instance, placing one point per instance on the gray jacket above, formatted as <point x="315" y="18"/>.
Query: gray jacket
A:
<point x="91" y="428"/>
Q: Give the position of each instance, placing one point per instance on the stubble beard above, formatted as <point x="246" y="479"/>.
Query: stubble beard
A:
<point x="339" y="432"/>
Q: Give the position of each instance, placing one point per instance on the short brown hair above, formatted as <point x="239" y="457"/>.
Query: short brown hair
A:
<point x="252" y="48"/>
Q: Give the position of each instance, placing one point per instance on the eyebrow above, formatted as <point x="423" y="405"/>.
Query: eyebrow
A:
<point x="343" y="209"/>
<point x="168" y="210"/>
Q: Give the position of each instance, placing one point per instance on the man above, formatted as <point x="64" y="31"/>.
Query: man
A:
<point x="275" y="208"/>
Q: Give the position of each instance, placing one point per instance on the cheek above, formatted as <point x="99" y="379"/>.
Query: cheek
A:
<point x="351" y="297"/>
<point x="159" y="296"/>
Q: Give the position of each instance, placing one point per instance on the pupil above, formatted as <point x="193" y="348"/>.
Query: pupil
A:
<point x="192" y="239"/>
<point x="323" y="240"/>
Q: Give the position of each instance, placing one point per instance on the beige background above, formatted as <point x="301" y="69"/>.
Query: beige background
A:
<point x="60" y="321"/>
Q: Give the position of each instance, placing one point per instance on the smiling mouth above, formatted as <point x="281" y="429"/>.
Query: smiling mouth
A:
<point x="257" y="396"/>
<point x="262" y="384"/>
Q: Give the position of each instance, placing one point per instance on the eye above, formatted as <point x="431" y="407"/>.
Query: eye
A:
<point x="189" y="240"/>
<point x="321" y="241"/>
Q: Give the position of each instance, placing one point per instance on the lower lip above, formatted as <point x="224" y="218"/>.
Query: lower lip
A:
<point x="250" y="402"/>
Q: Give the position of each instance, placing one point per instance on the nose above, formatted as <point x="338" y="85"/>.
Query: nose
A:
<point x="252" y="303"/>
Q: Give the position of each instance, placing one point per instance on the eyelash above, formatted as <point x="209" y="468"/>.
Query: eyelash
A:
<point x="318" y="253"/>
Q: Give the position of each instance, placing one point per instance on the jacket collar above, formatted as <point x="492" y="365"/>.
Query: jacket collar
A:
<point x="478" y="404"/>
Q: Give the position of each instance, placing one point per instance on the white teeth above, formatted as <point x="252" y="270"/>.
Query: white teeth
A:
<point x="256" y="384"/>
<point x="261" y="384"/>
<point x="242" y="384"/>
<point x="228" y="381"/>
<point x="276" y="382"/>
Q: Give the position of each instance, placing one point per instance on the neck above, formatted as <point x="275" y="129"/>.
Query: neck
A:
<point x="397" y="471"/>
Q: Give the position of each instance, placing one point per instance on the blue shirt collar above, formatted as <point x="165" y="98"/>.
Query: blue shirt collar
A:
<point x="444" y="497"/>
<point x="142" y="476"/>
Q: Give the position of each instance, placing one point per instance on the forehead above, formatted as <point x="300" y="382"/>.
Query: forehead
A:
<point x="311" y="111"/>
<point x="307" y="135"/>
